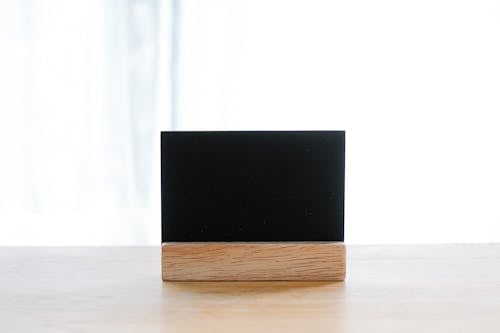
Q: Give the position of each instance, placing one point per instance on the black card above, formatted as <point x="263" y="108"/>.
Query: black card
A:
<point x="253" y="186"/>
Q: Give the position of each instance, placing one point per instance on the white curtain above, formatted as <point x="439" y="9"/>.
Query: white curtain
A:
<point x="84" y="89"/>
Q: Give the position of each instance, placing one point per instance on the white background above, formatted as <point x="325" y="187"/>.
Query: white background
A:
<point x="416" y="85"/>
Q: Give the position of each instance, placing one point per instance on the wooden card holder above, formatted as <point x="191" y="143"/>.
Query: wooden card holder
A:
<point x="253" y="261"/>
<point x="253" y="206"/>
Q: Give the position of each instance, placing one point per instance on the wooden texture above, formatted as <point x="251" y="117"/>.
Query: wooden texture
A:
<point x="424" y="288"/>
<point x="253" y="261"/>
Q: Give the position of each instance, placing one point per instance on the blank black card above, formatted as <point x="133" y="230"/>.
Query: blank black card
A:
<point x="253" y="186"/>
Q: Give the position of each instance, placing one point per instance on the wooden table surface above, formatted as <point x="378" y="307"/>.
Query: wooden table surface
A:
<point x="421" y="288"/>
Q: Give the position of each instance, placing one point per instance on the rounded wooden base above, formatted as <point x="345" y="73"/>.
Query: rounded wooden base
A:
<point x="251" y="261"/>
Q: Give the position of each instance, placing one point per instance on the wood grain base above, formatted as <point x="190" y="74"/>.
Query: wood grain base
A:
<point x="252" y="261"/>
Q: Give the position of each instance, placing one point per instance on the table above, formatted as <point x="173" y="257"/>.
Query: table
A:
<point x="412" y="288"/>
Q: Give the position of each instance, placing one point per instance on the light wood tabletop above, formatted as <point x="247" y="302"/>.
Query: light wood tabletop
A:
<point x="420" y="288"/>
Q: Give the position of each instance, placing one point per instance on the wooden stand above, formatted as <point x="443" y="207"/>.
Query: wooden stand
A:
<point x="245" y="261"/>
